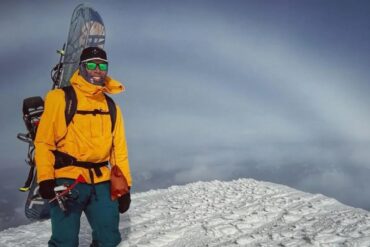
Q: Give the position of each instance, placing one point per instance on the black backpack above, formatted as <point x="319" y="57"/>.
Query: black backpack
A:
<point x="71" y="107"/>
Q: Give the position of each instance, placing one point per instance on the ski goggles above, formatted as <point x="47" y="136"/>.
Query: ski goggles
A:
<point x="92" y="66"/>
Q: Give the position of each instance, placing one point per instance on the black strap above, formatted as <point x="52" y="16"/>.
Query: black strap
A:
<point x="71" y="107"/>
<point x="94" y="112"/>
<point x="112" y="110"/>
<point x="64" y="160"/>
<point x="27" y="184"/>
<point x="71" y="103"/>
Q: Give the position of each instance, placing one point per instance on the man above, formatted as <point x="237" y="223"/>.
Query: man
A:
<point x="83" y="147"/>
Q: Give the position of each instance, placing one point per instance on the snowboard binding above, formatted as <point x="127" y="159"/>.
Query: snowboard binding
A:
<point x="33" y="108"/>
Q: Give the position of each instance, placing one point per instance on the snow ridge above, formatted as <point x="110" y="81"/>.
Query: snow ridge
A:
<point x="242" y="212"/>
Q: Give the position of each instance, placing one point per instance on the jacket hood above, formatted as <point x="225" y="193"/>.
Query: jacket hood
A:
<point x="111" y="86"/>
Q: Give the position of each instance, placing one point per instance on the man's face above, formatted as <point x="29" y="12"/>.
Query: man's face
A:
<point x="97" y="71"/>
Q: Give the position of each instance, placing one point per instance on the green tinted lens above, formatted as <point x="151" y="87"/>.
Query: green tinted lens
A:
<point x="91" y="66"/>
<point x="103" y="66"/>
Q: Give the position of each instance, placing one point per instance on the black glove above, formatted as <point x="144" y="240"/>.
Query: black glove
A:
<point x="46" y="189"/>
<point x="124" y="202"/>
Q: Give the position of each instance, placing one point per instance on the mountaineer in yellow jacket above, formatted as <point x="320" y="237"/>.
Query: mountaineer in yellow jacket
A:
<point x="91" y="142"/>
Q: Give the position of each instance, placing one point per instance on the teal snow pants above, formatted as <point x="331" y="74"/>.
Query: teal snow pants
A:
<point x="101" y="212"/>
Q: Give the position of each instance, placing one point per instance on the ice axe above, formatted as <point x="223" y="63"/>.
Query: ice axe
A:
<point x="62" y="191"/>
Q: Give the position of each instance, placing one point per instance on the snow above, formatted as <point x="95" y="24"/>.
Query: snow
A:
<point x="243" y="212"/>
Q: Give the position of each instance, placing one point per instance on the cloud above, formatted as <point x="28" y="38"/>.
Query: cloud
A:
<point x="331" y="180"/>
<point x="12" y="200"/>
<point x="348" y="185"/>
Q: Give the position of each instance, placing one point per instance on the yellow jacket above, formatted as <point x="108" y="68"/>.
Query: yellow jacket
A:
<point x="87" y="138"/>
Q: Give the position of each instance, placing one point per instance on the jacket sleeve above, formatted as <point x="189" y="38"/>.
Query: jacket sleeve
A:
<point x="46" y="135"/>
<point x="119" y="155"/>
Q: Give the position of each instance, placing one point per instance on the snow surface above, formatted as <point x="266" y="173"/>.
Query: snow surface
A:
<point x="243" y="212"/>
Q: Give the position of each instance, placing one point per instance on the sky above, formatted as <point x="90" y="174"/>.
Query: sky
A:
<point x="271" y="90"/>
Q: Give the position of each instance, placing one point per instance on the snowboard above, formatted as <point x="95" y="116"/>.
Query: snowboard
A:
<point x="36" y="208"/>
<point x="86" y="29"/>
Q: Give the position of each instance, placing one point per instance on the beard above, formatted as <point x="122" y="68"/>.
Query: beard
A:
<point x="99" y="81"/>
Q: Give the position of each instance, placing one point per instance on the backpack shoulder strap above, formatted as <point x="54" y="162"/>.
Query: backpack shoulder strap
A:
<point x="71" y="103"/>
<point x="112" y="110"/>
